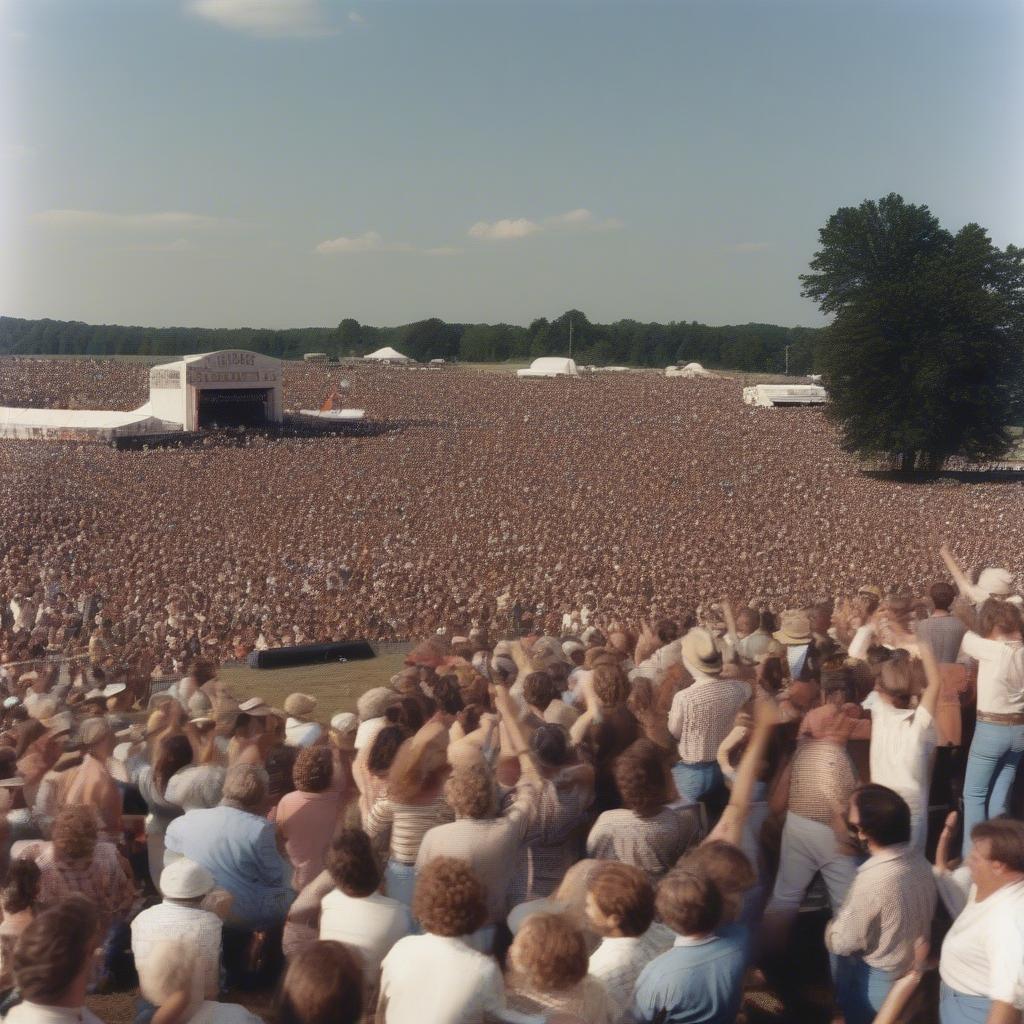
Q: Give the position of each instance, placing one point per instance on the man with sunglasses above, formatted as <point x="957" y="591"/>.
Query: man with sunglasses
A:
<point x="890" y="904"/>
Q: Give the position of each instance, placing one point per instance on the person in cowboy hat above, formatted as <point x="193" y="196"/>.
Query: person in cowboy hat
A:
<point x="702" y="715"/>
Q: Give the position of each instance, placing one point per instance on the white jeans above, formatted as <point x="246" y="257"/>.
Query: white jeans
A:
<point x="807" y="847"/>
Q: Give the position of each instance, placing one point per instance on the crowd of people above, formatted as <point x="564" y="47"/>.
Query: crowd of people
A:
<point x="596" y="792"/>
<point x="597" y="825"/>
<point x="488" y="501"/>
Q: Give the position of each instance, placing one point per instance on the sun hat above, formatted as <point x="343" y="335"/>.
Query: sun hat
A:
<point x="59" y="723"/>
<point x="93" y="731"/>
<point x="701" y="652"/>
<point x="996" y="582"/>
<point x="186" y="880"/>
<point x="344" y="721"/>
<point x="796" y="628"/>
<point x="251" y="704"/>
<point x="28" y="677"/>
<point x="869" y="589"/>
<point x="114" y="689"/>
<point x="300" y="705"/>
<point x="93" y="695"/>
<point x="571" y="647"/>
<point x="375" y="702"/>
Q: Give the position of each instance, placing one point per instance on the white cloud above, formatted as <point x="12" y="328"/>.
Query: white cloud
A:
<point x="746" y="247"/>
<point x="503" y="229"/>
<point x="265" y="17"/>
<point x="572" y="220"/>
<point x="170" y="219"/>
<point x="443" y="250"/>
<point x="356" y="18"/>
<point x="371" y="241"/>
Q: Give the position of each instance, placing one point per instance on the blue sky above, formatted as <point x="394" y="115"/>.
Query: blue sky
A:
<point x="292" y="162"/>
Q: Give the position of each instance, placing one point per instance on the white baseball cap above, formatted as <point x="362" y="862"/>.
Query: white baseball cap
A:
<point x="186" y="880"/>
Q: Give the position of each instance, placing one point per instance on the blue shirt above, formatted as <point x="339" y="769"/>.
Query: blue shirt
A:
<point x="695" y="982"/>
<point x="240" y="851"/>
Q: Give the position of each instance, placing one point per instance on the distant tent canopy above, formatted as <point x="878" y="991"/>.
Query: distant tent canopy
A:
<point x="689" y="370"/>
<point x="388" y="355"/>
<point x="550" y="366"/>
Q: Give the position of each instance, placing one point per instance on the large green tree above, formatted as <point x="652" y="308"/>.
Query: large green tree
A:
<point x="923" y="359"/>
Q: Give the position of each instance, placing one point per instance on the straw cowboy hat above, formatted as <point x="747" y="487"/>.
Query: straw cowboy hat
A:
<point x="700" y="651"/>
<point x="796" y="628"/>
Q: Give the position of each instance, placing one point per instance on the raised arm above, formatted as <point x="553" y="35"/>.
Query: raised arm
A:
<point x="960" y="578"/>
<point x="730" y="826"/>
<point x="730" y="624"/>
<point x="516" y="734"/>
<point x="930" y="698"/>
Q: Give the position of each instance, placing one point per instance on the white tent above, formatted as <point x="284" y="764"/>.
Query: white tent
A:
<point x="550" y="366"/>
<point x="79" y="424"/>
<point x="388" y="355"/>
<point x="689" y="370"/>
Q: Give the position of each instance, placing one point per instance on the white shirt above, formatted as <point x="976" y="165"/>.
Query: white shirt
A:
<point x="862" y="640"/>
<point x="368" y="730"/>
<point x="902" y="743"/>
<point x="36" y="1013"/>
<point x="200" y="929"/>
<point x="617" y="963"/>
<point x="301" y="734"/>
<point x="1000" y="672"/>
<point x="223" y="1013"/>
<point x="444" y="981"/>
<point x="371" y="924"/>
<point x="655" y="667"/>
<point x="984" y="949"/>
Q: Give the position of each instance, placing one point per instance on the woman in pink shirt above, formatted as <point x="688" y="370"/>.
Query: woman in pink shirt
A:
<point x="307" y="816"/>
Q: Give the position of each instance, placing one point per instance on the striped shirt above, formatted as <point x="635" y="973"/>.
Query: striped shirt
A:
<point x="702" y="715"/>
<point x="406" y="824"/>
<point x="890" y="904"/>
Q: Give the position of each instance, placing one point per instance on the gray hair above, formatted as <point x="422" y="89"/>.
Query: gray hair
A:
<point x="245" y="786"/>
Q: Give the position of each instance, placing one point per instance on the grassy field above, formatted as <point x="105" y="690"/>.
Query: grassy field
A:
<point x="336" y="686"/>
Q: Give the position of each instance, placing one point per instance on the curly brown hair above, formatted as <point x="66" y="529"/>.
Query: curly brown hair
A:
<point x="75" y="832"/>
<point x="351" y="864"/>
<point x="611" y="687"/>
<point x="471" y="792"/>
<point x="549" y="953"/>
<point x="623" y="891"/>
<point x="313" y="770"/>
<point x="539" y="690"/>
<point x="642" y="778"/>
<point x="449" y="899"/>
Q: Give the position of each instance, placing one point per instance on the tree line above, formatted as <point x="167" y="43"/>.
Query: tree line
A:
<point x="755" y="347"/>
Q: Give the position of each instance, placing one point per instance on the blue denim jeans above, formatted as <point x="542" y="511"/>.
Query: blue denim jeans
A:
<point x="697" y="780"/>
<point x="860" y="989"/>
<point x="996" y="751"/>
<point x="956" y="1008"/>
<point x="400" y="881"/>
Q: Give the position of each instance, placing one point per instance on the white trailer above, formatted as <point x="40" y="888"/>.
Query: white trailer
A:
<point x="769" y="395"/>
